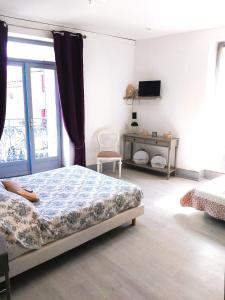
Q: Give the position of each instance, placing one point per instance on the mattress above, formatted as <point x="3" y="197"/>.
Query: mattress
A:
<point x="71" y="199"/>
<point x="208" y="197"/>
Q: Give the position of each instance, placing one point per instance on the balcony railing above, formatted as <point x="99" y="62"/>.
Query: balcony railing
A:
<point x="13" y="144"/>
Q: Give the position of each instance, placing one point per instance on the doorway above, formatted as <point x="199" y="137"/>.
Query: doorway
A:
<point x="31" y="138"/>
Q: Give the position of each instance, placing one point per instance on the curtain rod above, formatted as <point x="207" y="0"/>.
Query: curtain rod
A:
<point x="71" y="33"/>
<point x="57" y="25"/>
<point x="35" y="28"/>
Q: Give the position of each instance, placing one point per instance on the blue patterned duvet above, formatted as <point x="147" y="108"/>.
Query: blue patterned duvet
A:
<point x="72" y="199"/>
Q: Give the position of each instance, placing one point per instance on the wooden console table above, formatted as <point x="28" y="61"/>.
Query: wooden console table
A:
<point x="170" y="144"/>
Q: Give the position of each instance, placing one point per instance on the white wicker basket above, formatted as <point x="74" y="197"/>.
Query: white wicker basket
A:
<point x="158" y="161"/>
<point x="141" y="157"/>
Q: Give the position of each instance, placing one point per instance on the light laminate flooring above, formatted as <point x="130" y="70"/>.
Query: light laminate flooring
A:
<point x="172" y="253"/>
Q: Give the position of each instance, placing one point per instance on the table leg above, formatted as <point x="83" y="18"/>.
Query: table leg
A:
<point x="175" y="161"/>
<point x="124" y="148"/>
<point x="168" y="163"/>
<point x="131" y="150"/>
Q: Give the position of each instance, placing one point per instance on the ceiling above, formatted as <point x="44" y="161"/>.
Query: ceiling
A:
<point x="125" y="18"/>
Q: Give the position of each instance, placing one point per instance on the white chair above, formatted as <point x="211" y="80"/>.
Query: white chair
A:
<point x="108" y="150"/>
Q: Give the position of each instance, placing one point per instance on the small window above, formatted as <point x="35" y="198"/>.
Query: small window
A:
<point x="24" y="50"/>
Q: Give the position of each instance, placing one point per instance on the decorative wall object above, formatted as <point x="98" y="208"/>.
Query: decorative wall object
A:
<point x="130" y="92"/>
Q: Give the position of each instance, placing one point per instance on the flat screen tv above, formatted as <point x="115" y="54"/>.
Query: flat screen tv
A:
<point x="149" y="88"/>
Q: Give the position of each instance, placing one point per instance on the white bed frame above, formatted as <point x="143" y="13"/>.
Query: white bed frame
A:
<point x="49" y="251"/>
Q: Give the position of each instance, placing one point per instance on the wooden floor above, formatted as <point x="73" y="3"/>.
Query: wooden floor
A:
<point x="172" y="253"/>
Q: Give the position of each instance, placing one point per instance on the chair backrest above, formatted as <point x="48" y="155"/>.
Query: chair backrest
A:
<point x="108" y="140"/>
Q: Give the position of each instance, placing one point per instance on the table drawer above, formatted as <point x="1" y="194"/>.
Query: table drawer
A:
<point x="135" y="140"/>
<point x="140" y="141"/>
<point x="158" y="143"/>
<point x="129" y="139"/>
<point x="149" y="141"/>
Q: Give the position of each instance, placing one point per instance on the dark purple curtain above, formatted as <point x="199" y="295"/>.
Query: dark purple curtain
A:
<point x="3" y="73"/>
<point x="69" y="63"/>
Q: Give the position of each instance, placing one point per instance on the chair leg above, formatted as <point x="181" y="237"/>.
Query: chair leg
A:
<point x="120" y="166"/>
<point x="101" y="167"/>
<point x="98" y="166"/>
<point x="114" y="166"/>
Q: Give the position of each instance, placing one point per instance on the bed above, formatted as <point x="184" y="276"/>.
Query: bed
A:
<point x="76" y="204"/>
<point x="208" y="197"/>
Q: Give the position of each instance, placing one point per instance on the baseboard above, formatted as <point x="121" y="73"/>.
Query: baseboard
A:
<point x="106" y="166"/>
<point x="183" y="173"/>
<point x="208" y="174"/>
<point x="190" y="174"/>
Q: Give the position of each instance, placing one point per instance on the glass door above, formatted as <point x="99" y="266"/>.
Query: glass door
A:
<point x="43" y="117"/>
<point x="31" y="138"/>
<point x="14" y="144"/>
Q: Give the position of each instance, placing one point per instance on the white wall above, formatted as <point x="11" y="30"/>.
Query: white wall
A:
<point x="108" y="68"/>
<point x="185" y="63"/>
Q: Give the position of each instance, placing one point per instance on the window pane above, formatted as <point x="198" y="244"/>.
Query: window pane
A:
<point x="44" y="112"/>
<point x="30" y="51"/>
<point x="13" y="141"/>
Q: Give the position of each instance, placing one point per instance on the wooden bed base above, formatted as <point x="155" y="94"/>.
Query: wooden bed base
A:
<point x="51" y="250"/>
